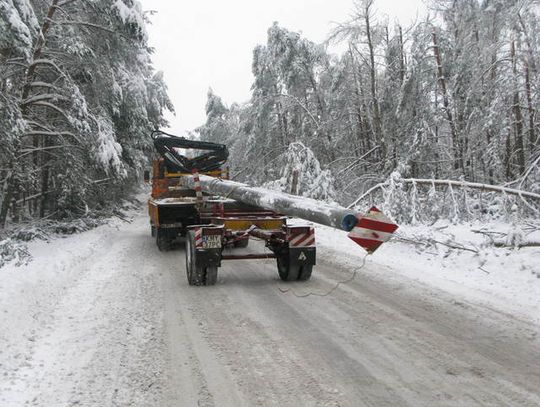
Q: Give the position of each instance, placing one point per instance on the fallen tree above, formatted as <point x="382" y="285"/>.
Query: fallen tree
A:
<point x="458" y="184"/>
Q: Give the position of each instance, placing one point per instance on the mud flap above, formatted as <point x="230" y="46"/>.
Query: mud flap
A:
<point x="302" y="256"/>
<point x="208" y="257"/>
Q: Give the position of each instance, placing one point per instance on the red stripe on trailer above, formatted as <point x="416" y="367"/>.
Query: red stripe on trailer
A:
<point x="298" y="240"/>
<point x="303" y="239"/>
<point x="309" y="242"/>
<point x="198" y="237"/>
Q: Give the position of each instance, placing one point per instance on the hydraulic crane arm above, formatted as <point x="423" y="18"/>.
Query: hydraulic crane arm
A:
<point x="213" y="157"/>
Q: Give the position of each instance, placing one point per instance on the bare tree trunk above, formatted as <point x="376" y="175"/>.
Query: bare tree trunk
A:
<point x="508" y="154"/>
<point x="37" y="156"/>
<point x="45" y="175"/>
<point x="490" y="167"/>
<point x="401" y="57"/>
<point x="518" y="116"/>
<point x="491" y="87"/>
<point x="530" y="66"/>
<point x="8" y="187"/>
<point x="362" y="134"/>
<point x="377" y="122"/>
<point x="458" y="153"/>
<point x="294" y="182"/>
<point x="38" y="50"/>
<point x="530" y="109"/>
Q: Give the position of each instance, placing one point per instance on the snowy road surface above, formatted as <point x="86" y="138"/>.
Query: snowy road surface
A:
<point x="104" y="319"/>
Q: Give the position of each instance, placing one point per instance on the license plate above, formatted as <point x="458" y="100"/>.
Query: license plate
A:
<point x="211" y="242"/>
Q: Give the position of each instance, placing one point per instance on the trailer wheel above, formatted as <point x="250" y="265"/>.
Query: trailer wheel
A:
<point x="305" y="272"/>
<point x="293" y="272"/>
<point x="286" y="270"/>
<point x="163" y="241"/>
<point x="211" y="275"/>
<point x="197" y="275"/>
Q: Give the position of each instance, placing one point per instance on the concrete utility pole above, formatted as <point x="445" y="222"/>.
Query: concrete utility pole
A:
<point x="330" y="215"/>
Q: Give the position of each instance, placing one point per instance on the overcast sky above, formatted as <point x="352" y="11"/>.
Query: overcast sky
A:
<point x="209" y="43"/>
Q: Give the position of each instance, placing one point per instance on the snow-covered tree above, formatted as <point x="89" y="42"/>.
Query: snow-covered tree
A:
<point x="453" y="97"/>
<point x="301" y="174"/>
<point x="77" y="80"/>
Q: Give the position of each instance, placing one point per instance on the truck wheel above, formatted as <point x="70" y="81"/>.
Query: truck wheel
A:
<point x="162" y="240"/>
<point x="197" y="275"/>
<point x="286" y="270"/>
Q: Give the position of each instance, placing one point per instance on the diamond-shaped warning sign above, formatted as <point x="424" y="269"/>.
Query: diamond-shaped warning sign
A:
<point x="372" y="230"/>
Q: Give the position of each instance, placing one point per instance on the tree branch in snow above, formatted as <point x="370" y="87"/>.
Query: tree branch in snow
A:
<point x="368" y="192"/>
<point x="534" y="165"/>
<point x="66" y="2"/>
<point x="47" y="62"/>
<point x="43" y="85"/>
<point x="428" y="241"/>
<point x="474" y="185"/>
<point x="304" y="108"/>
<point x="27" y="151"/>
<point x="38" y="48"/>
<point x="51" y="133"/>
<point x="358" y="160"/>
<point x="53" y="107"/>
<point x="531" y="243"/>
<point x="46" y="96"/>
<point x="99" y="27"/>
<point x="509" y="240"/>
<point x="451" y="183"/>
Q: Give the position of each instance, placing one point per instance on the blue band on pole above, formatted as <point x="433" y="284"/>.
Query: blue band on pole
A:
<point x="349" y="222"/>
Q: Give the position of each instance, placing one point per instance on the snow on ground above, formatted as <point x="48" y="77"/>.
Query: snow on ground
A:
<point x="505" y="278"/>
<point x="104" y="318"/>
<point x="67" y="320"/>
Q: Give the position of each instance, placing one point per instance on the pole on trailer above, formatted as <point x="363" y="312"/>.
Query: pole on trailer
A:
<point x="369" y="230"/>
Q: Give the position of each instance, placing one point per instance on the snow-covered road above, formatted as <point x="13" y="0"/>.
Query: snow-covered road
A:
<point x="105" y="319"/>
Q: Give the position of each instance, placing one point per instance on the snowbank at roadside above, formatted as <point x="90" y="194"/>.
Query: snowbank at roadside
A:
<point x="505" y="278"/>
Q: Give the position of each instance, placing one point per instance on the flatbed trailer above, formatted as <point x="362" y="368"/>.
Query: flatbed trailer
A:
<point x="209" y="225"/>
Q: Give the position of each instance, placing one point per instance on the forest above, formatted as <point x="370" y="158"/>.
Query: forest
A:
<point x="78" y="99"/>
<point x="436" y="119"/>
<point x="425" y="118"/>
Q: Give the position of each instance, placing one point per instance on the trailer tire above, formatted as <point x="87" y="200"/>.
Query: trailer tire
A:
<point x="286" y="270"/>
<point x="197" y="275"/>
<point x="211" y="276"/>
<point x="305" y="272"/>
<point x="194" y="273"/>
<point x="163" y="241"/>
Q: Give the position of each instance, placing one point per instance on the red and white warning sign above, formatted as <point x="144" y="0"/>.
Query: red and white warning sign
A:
<point x="372" y="230"/>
